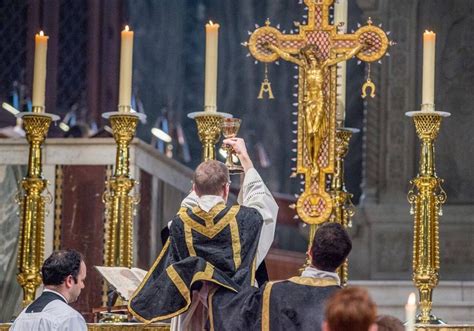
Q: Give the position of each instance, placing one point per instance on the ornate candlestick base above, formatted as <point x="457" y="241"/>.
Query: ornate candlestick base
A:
<point x="119" y="203"/>
<point x="343" y="209"/>
<point x="209" y="125"/>
<point x="426" y="198"/>
<point x="32" y="205"/>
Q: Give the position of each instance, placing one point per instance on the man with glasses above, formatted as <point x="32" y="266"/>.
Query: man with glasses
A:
<point x="213" y="249"/>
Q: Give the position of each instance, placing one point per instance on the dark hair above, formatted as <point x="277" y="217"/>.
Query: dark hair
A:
<point x="331" y="246"/>
<point x="210" y="178"/>
<point x="389" y="323"/>
<point x="59" y="265"/>
<point x="350" y="309"/>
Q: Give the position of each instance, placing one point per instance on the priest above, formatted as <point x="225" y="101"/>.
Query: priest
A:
<point x="213" y="249"/>
<point x="298" y="302"/>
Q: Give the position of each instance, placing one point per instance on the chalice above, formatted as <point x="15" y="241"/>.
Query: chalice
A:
<point x="230" y="128"/>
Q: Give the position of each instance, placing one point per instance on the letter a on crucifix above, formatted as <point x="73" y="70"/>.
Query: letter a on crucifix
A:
<point x="316" y="49"/>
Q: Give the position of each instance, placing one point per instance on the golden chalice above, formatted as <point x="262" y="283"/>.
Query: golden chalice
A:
<point x="230" y="128"/>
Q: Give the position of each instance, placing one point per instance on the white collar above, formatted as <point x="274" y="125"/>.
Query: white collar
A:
<point x="55" y="292"/>
<point x="207" y="202"/>
<point x="316" y="273"/>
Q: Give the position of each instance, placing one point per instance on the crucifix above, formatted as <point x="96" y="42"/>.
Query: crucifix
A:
<point x="316" y="49"/>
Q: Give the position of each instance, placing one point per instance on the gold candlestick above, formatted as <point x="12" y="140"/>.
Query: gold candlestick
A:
<point x="209" y="125"/>
<point x="426" y="198"/>
<point x="119" y="202"/>
<point x="343" y="209"/>
<point x="32" y="204"/>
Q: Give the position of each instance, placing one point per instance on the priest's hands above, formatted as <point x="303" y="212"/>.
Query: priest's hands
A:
<point x="238" y="145"/>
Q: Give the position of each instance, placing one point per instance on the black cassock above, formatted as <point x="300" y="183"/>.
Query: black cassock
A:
<point x="218" y="246"/>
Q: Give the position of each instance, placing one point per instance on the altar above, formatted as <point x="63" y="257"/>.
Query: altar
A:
<point x="76" y="170"/>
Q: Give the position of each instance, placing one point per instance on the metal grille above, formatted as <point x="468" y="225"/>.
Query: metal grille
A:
<point x="311" y="208"/>
<point x="72" y="56"/>
<point x="270" y="38"/>
<point x="318" y="16"/>
<point x="321" y="39"/>
<point x="292" y="44"/>
<point x="13" y="30"/>
<point x="345" y="43"/>
<point x="427" y="126"/>
<point x="374" y="40"/>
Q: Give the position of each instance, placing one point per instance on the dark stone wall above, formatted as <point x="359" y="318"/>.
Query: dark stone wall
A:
<point x="453" y="22"/>
<point x="383" y="227"/>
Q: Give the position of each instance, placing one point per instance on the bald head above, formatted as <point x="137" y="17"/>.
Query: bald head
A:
<point x="211" y="178"/>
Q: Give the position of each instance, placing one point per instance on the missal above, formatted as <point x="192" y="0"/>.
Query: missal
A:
<point x="124" y="280"/>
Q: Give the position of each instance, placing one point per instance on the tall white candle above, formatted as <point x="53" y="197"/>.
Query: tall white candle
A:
<point x="429" y="43"/>
<point x="340" y="16"/>
<point x="410" y="313"/>
<point x="126" y="61"/>
<point x="39" y="71"/>
<point x="210" y="89"/>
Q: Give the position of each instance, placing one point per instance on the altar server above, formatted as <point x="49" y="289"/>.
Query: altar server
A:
<point x="64" y="273"/>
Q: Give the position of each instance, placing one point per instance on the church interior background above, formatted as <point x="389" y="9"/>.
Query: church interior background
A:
<point x="168" y="76"/>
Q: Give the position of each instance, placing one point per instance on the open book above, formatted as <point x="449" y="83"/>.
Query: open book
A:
<point x="124" y="280"/>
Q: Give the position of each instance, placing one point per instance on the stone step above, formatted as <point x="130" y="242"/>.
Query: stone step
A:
<point x="453" y="301"/>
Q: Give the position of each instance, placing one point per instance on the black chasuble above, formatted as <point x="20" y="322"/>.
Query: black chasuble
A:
<point x="296" y="304"/>
<point x="218" y="246"/>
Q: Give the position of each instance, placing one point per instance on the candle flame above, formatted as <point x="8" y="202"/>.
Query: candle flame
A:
<point x="429" y="32"/>
<point x="127" y="28"/>
<point x="41" y="33"/>
<point x="210" y="22"/>
<point x="411" y="299"/>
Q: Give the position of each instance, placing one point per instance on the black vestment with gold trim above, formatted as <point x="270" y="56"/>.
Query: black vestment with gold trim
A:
<point x="296" y="304"/>
<point x="290" y="305"/>
<point x="218" y="246"/>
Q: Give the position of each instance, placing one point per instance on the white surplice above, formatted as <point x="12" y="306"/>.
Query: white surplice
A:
<point x="57" y="315"/>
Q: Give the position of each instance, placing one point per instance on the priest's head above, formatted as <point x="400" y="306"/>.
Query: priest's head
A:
<point x="211" y="178"/>
<point x="330" y="248"/>
<point x="64" y="272"/>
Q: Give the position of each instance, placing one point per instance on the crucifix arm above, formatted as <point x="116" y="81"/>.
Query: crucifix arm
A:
<point x="346" y="56"/>
<point x="284" y="55"/>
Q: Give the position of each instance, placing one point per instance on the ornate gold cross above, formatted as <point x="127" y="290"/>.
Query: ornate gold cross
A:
<point x="316" y="49"/>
